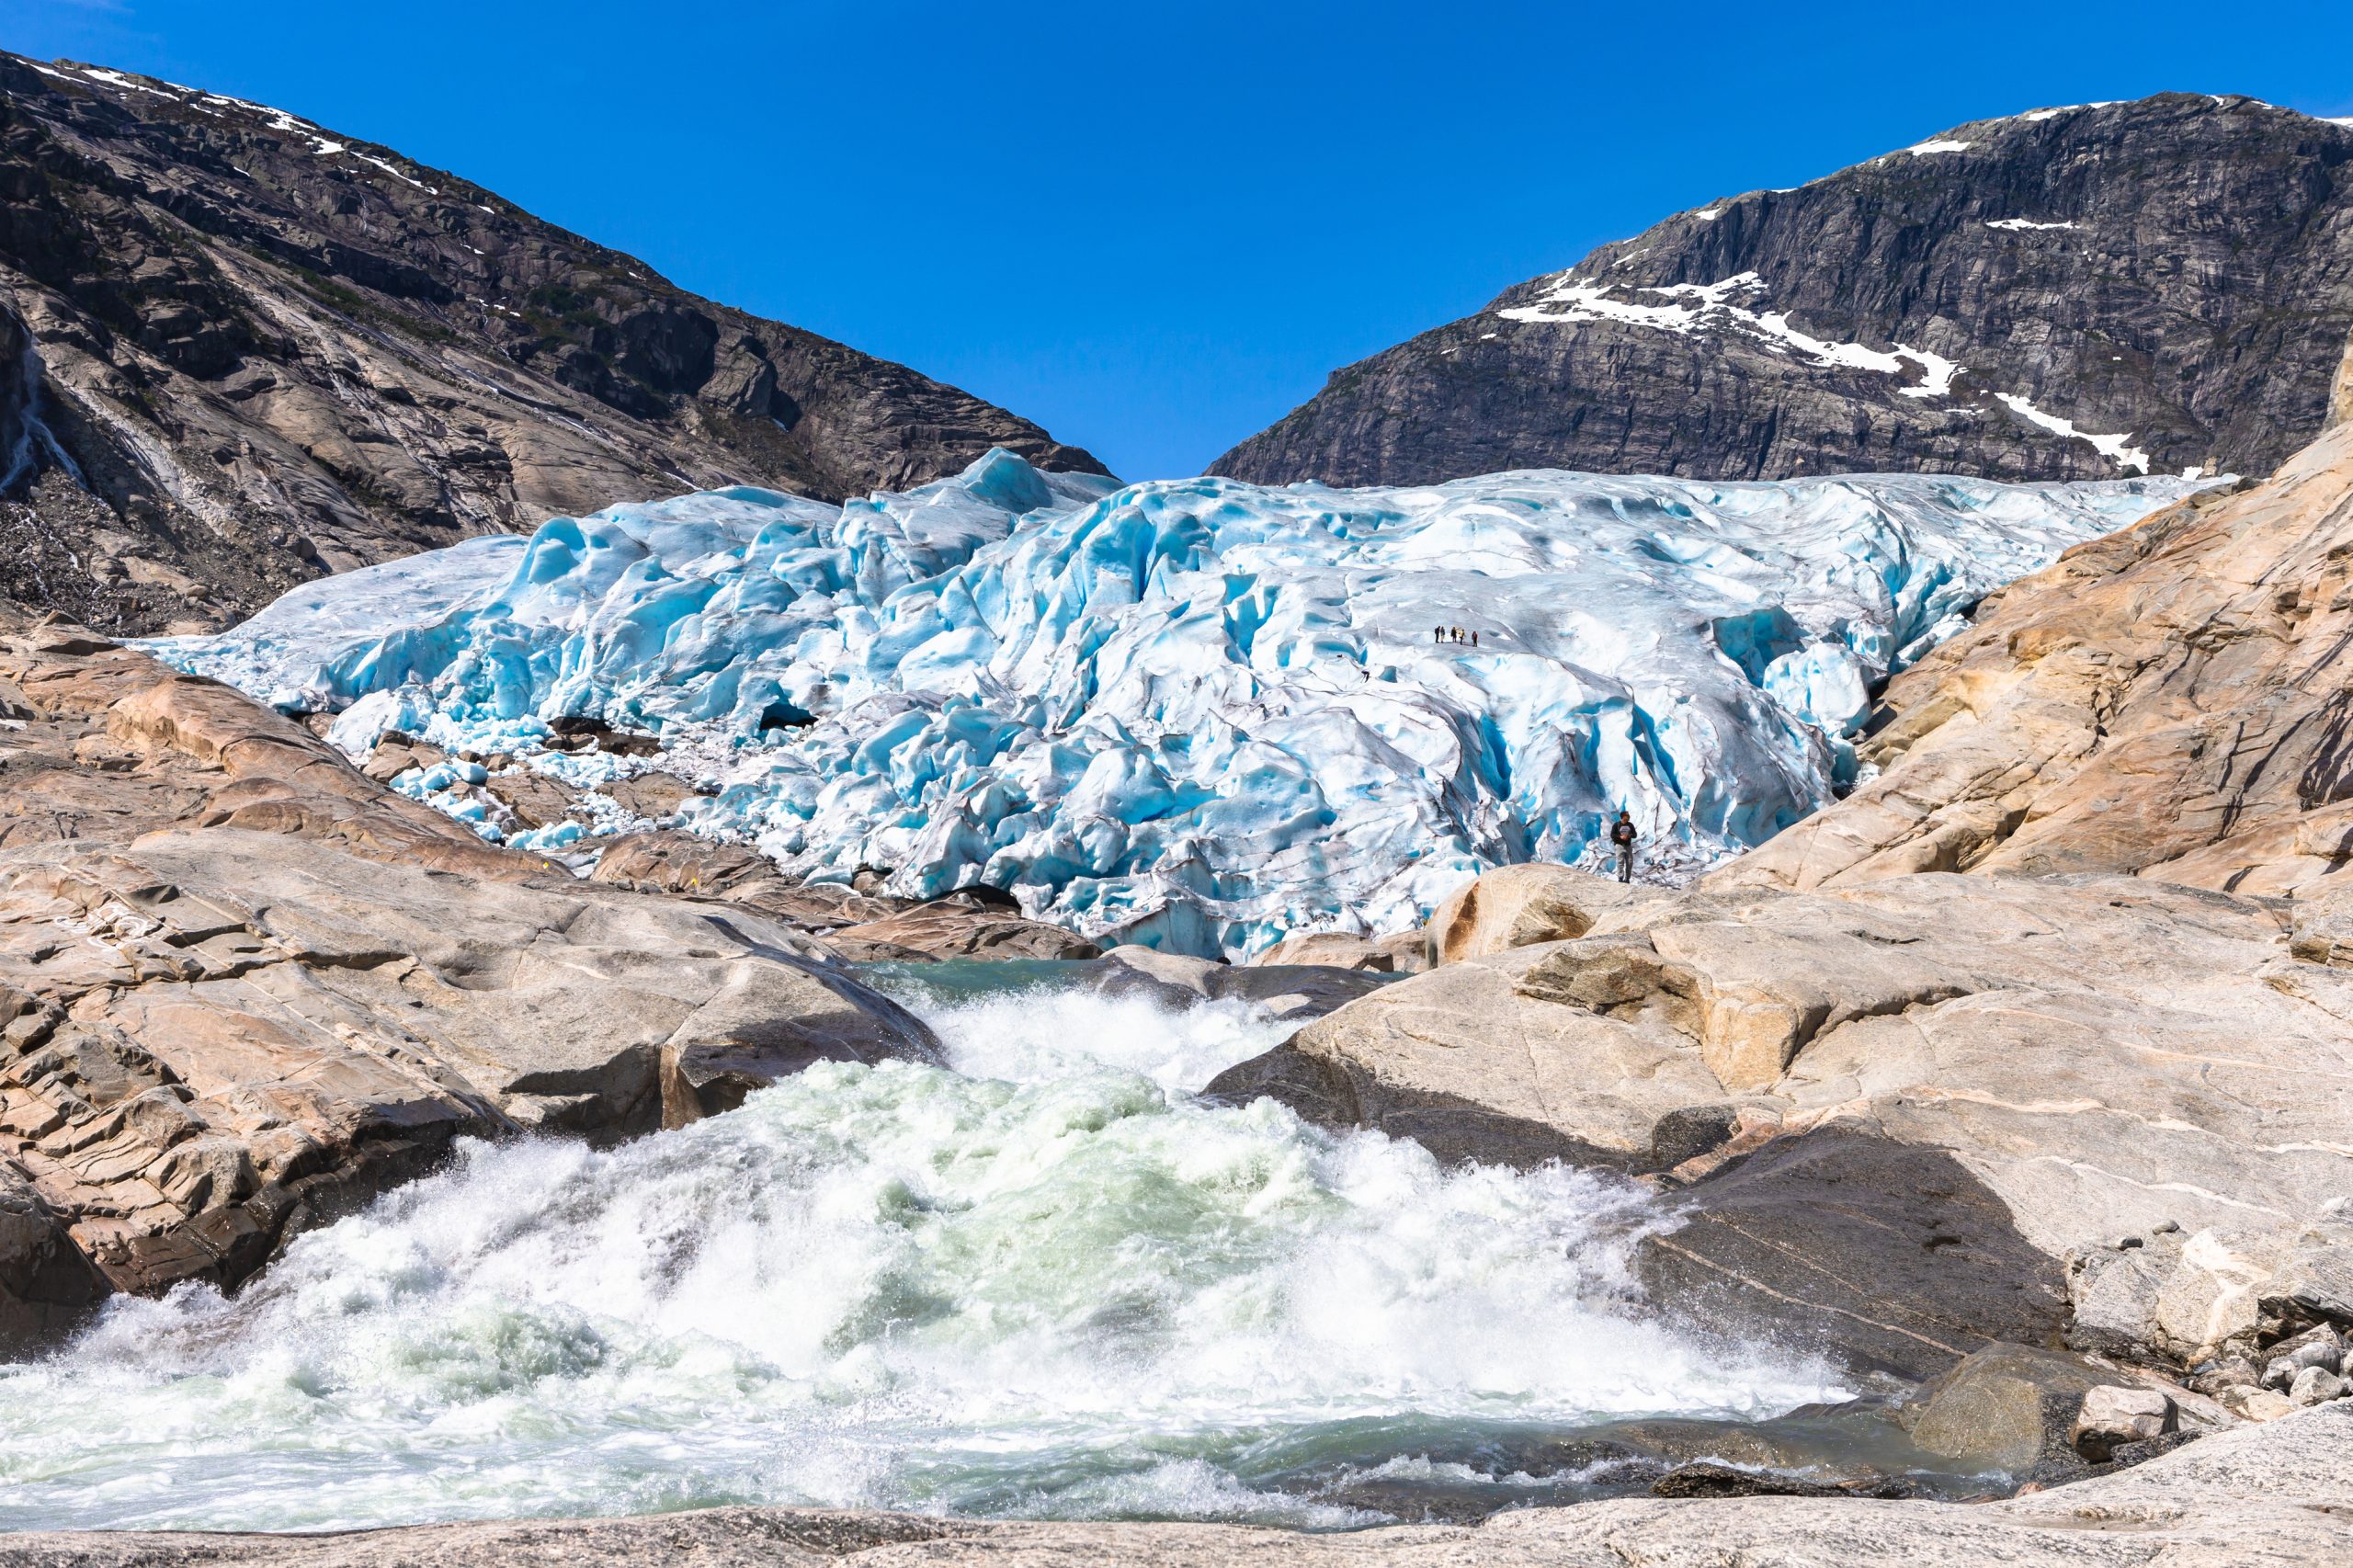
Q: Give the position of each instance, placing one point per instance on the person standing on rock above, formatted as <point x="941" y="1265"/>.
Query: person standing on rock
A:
<point x="1621" y="834"/>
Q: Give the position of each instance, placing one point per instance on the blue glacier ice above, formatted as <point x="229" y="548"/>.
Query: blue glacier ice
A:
<point x="1193" y="713"/>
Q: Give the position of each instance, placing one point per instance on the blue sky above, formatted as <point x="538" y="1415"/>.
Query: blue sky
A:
<point x="1156" y="227"/>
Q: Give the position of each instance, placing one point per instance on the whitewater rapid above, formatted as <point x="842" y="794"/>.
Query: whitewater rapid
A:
<point x="1044" y="1281"/>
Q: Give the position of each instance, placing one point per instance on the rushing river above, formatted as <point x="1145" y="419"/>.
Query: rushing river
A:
<point x="1048" y="1282"/>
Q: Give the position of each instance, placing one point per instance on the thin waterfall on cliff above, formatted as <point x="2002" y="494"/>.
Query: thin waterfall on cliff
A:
<point x="31" y="440"/>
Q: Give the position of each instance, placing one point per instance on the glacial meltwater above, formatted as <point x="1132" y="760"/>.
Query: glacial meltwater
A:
<point x="1049" y="1282"/>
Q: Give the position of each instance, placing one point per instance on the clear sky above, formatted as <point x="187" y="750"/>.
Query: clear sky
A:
<point x="1155" y="227"/>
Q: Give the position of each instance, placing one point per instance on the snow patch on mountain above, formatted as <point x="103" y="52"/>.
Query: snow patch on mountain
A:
<point x="1691" y="307"/>
<point x="2117" y="449"/>
<point x="1197" y="713"/>
<point x="1697" y="307"/>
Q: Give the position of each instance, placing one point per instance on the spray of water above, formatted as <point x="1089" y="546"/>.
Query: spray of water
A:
<point x="33" y="439"/>
<point x="1043" y="1282"/>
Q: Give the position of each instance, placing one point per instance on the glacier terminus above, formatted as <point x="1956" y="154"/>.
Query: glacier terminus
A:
<point x="1196" y="714"/>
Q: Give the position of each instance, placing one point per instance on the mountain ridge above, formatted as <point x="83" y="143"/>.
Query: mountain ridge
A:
<point x="2066" y="293"/>
<point x="238" y="348"/>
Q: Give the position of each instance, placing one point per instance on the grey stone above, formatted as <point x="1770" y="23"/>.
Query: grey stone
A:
<point x="1707" y="1479"/>
<point x="1293" y="992"/>
<point x="2316" y="1281"/>
<point x="962" y="925"/>
<point x="1690" y="1131"/>
<point x="2234" y="1372"/>
<point x="2258" y="1404"/>
<point x="1405" y="952"/>
<point x="2112" y="1416"/>
<point x="2314" y="1384"/>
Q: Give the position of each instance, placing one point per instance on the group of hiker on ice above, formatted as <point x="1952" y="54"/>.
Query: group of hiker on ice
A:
<point x="1622" y="832"/>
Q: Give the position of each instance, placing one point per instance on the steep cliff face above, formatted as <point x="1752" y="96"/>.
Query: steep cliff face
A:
<point x="260" y="350"/>
<point x="2065" y="294"/>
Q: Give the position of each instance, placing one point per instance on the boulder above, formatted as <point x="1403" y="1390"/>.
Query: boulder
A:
<point x="2010" y="1408"/>
<point x="2321" y="927"/>
<point x="46" y="1285"/>
<point x="395" y="755"/>
<point x="2315" y="1283"/>
<point x="2112" y="1416"/>
<point x="1406" y="952"/>
<point x="1289" y="992"/>
<point x="966" y="924"/>
<point x="1460" y="1058"/>
<point x="2192" y="1298"/>
<point x="655" y="795"/>
<point x="533" y="798"/>
<point x="1517" y="906"/>
<point x="2258" y="1404"/>
<point x="1705" y="1478"/>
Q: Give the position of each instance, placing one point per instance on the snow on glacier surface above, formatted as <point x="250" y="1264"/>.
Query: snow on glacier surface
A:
<point x="1195" y="714"/>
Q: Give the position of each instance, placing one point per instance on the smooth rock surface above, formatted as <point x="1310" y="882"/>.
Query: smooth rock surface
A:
<point x="1297" y="992"/>
<point x="1460" y="1059"/>
<point x="1899" y="1108"/>
<point x="245" y="988"/>
<point x="962" y="925"/>
<point x="1517" y="906"/>
<point x="1407" y="952"/>
<point x="2168" y="702"/>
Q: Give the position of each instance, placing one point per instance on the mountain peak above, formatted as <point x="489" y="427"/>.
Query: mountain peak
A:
<point x="260" y="348"/>
<point x="2163" y="285"/>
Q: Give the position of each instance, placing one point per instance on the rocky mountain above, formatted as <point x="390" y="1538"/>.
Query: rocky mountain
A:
<point x="238" y="350"/>
<point x="2075" y="292"/>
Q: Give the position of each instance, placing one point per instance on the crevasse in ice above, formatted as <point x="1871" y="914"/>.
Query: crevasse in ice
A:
<point x="1195" y="714"/>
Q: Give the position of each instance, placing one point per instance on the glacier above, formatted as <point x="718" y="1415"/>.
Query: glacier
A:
<point x="1196" y="714"/>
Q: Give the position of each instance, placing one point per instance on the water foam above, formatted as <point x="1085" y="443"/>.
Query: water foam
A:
<point x="1050" y="1284"/>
